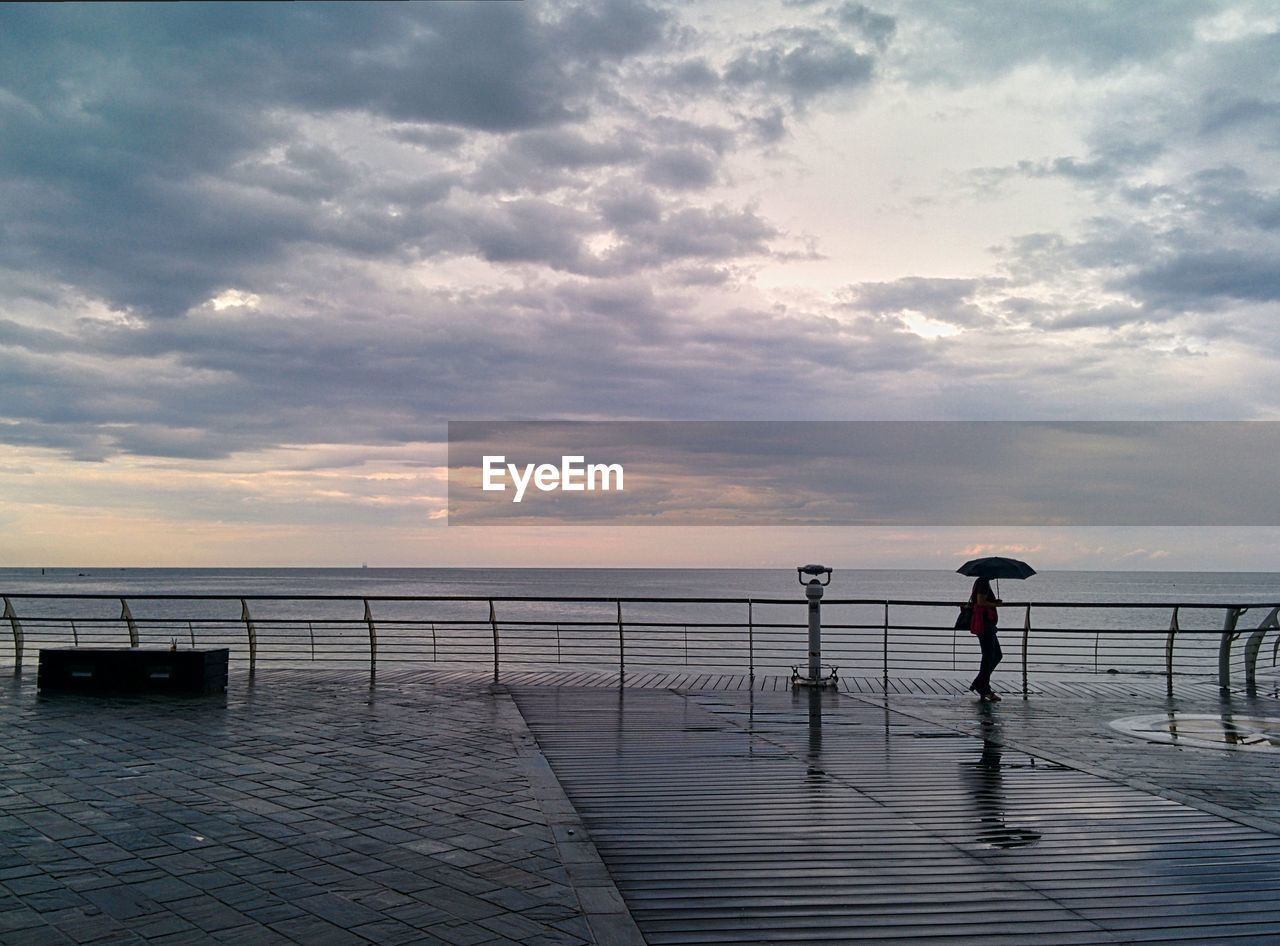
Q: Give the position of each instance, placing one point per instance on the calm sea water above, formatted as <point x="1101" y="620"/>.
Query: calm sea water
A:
<point x="659" y="635"/>
<point x="1073" y="586"/>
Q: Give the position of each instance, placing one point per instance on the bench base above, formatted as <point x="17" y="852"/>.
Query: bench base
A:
<point x="133" y="670"/>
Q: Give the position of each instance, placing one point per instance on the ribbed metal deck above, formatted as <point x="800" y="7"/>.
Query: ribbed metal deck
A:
<point x="748" y="817"/>
<point x="1099" y="685"/>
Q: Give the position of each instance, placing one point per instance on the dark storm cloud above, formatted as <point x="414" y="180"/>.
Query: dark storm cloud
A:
<point x="433" y="138"/>
<point x="395" y="369"/>
<point x="625" y="208"/>
<point x="718" y="233"/>
<point x="1240" y="95"/>
<point x="769" y="127"/>
<point x="150" y="440"/>
<point x="691" y="76"/>
<point x="530" y="231"/>
<point x="1198" y="246"/>
<point x="1195" y="278"/>
<point x="1104" y="316"/>
<point x="140" y="159"/>
<point x="1236" y="111"/>
<point x="548" y="159"/>
<point x="681" y="169"/>
<point x="45" y="341"/>
<point x="803" y="63"/>
<point x="945" y="300"/>
<point x="874" y="26"/>
<point x="1228" y="194"/>
<point x="610" y="29"/>
<point x="159" y="173"/>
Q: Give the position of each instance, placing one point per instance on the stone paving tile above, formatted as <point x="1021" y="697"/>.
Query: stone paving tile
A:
<point x="300" y="809"/>
<point x="43" y="936"/>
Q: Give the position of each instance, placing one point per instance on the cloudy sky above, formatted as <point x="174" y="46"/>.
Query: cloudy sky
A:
<point x="254" y="257"/>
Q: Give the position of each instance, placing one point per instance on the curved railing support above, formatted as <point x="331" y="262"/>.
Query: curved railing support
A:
<point x="493" y="624"/>
<point x="1026" y="638"/>
<point x="252" y="633"/>
<point x="622" y="647"/>
<point x="1168" y="651"/>
<point x="127" y="616"/>
<point x="1229" y="634"/>
<point x="373" y="641"/>
<point x="18" y="639"/>
<point x="1254" y="644"/>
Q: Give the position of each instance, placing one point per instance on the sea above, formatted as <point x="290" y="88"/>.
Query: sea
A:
<point x="919" y="584"/>
<point x="895" y="620"/>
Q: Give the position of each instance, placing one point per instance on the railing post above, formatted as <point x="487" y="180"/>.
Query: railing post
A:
<point x="127" y="616"/>
<point x="252" y="633"/>
<point x="373" y="640"/>
<point x="1026" y="640"/>
<point x="1168" y="651"/>
<point x="884" y="650"/>
<point x="493" y="624"/>
<point x="18" y="639"/>
<point x="622" y="647"/>
<point x="1224" y="647"/>
<point x="1252" y="647"/>
<point x="751" y="642"/>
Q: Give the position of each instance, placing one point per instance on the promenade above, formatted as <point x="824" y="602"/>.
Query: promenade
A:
<point x="310" y="807"/>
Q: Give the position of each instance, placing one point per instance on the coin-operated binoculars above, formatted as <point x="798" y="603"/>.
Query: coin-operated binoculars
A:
<point x="813" y="592"/>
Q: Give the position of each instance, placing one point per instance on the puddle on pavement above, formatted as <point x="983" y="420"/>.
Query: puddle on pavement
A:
<point x="1204" y="730"/>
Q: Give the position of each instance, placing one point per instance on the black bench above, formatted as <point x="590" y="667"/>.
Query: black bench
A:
<point x="133" y="670"/>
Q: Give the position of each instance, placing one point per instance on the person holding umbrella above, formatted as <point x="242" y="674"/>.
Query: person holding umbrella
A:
<point x="983" y="603"/>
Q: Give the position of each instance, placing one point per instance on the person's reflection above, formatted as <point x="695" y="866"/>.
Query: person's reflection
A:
<point x="984" y="781"/>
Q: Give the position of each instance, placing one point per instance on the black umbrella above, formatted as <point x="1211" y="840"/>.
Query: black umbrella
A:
<point x="996" y="567"/>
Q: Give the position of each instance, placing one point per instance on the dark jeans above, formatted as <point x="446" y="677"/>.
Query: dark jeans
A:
<point x="991" y="655"/>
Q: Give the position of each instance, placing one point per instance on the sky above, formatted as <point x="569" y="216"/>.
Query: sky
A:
<point x="254" y="258"/>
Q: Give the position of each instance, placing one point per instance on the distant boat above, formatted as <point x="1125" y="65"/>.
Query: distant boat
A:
<point x="364" y="564"/>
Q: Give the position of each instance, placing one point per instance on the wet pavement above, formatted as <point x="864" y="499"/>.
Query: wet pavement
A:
<point x="310" y="807"/>
<point x="1075" y="728"/>
<point x="301" y="809"/>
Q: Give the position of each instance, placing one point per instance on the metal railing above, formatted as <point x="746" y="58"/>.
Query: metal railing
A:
<point x="869" y="637"/>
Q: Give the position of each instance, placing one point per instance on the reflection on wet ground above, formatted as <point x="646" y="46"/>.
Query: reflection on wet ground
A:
<point x="1224" y="730"/>
<point x="820" y="817"/>
<point x="986" y="786"/>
